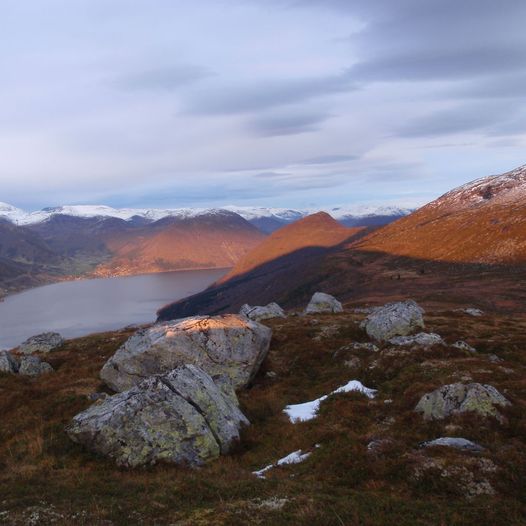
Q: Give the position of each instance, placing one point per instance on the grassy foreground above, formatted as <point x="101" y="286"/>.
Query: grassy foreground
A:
<point x="46" y="479"/>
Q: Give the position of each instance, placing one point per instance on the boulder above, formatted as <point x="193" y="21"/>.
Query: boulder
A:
<point x="322" y="303"/>
<point x="45" y="342"/>
<point x="422" y="339"/>
<point x="33" y="366"/>
<point x="459" y="398"/>
<point x="259" y="313"/>
<point x="230" y="344"/>
<point x="181" y="417"/>
<point x="394" y="319"/>
<point x="457" y="443"/>
<point x="8" y="363"/>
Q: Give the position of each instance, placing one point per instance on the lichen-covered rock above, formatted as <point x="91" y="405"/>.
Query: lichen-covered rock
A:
<point x="455" y="442"/>
<point x="422" y="339"/>
<point x="45" y="342"/>
<point x="8" y="363"/>
<point x="322" y="303"/>
<point x="229" y="344"/>
<point x="459" y="398"/>
<point x="260" y="313"/>
<point x="181" y="417"/>
<point x="394" y="319"/>
<point x="33" y="366"/>
<point x="463" y="346"/>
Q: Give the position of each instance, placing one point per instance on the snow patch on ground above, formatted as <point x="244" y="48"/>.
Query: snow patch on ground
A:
<point x="309" y="410"/>
<point x="292" y="458"/>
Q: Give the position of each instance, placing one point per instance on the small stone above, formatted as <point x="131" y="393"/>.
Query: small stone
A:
<point x="454" y="442"/>
<point x="322" y="303"/>
<point x="463" y="346"/>
<point x="493" y="358"/>
<point x="33" y="366"/>
<point x="260" y="313"/>
<point x="422" y="339"/>
<point x="353" y="363"/>
<point x="45" y="342"/>
<point x="8" y="363"/>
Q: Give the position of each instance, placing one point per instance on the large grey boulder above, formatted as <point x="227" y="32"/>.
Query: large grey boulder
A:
<point x="322" y="303"/>
<point x="459" y="398"/>
<point x="8" y="363"/>
<point x="229" y="344"/>
<point x="181" y="417"/>
<point x="422" y="339"/>
<point x="394" y="319"/>
<point x="260" y="313"/>
<point x="45" y="342"/>
<point x="33" y="366"/>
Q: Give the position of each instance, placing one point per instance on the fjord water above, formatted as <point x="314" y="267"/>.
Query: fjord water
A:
<point x="77" y="308"/>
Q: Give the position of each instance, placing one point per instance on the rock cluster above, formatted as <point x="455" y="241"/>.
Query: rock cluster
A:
<point x="422" y="339"/>
<point x="182" y="417"/>
<point x="28" y="365"/>
<point x="394" y="319"/>
<point x="229" y="344"/>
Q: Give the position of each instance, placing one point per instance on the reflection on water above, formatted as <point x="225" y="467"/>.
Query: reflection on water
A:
<point x="77" y="308"/>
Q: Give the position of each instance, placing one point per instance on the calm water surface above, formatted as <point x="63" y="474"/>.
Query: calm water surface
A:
<point x="77" y="308"/>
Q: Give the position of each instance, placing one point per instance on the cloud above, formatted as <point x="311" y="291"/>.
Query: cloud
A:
<point x="330" y="159"/>
<point x="287" y="123"/>
<point x="267" y="94"/>
<point x="460" y="118"/>
<point x="167" y="78"/>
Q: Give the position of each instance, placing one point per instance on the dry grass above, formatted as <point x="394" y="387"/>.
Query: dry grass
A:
<point x="43" y="473"/>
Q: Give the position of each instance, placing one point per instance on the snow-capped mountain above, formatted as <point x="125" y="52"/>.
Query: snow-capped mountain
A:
<point x="265" y="218"/>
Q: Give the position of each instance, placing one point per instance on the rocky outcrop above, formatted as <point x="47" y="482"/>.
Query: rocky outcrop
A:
<point x="45" y="342"/>
<point x="394" y="319"/>
<point x="229" y="344"/>
<point x="422" y="339"/>
<point x="322" y="303"/>
<point x="8" y="364"/>
<point x="260" y="313"/>
<point x="460" y="398"/>
<point x="455" y="442"/>
<point x="181" y="417"/>
<point x="33" y="366"/>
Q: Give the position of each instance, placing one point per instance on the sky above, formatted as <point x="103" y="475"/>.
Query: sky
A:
<point x="295" y="103"/>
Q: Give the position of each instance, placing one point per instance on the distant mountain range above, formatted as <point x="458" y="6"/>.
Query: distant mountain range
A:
<point x="464" y="243"/>
<point x="266" y="219"/>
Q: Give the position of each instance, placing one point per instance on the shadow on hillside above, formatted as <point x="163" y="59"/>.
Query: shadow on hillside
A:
<point x="360" y="277"/>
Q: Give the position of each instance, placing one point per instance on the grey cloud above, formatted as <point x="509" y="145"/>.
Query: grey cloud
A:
<point x="330" y="159"/>
<point x="265" y="95"/>
<point x="499" y="87"/>
<point x="461" y="118"/>
<point x="440" y="65"/>
<point x="169" y="78"/>
<point x="276" y="124"/>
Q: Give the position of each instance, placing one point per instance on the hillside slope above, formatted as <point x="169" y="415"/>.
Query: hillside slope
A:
<point x="480" y="222"/>
<point x="283" y="263"/>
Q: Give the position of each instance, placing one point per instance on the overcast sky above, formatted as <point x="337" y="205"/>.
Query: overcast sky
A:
<point x="275" y="102"/>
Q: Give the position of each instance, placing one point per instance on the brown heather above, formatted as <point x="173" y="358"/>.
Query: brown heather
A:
<point x="44" y="475"/>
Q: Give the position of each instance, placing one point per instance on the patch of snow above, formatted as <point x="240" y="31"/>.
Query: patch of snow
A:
<point x="309" y="410"/>
<point x="292" y="458"/>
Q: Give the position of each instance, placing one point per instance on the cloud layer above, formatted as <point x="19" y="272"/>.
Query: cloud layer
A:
<point x="276" y="102"/>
